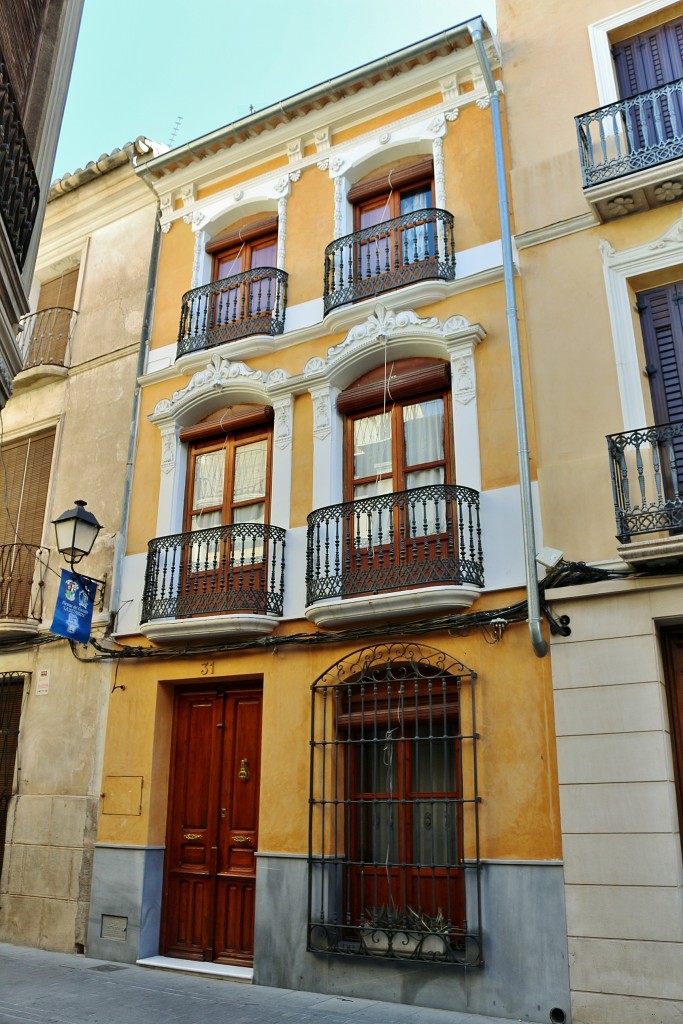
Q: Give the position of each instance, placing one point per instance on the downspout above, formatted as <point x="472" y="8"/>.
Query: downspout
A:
<point x="132" y="440"/>
<point x="533" y="603"/>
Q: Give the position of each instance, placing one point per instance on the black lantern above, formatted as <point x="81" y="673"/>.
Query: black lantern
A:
<point x="76" y="532"/>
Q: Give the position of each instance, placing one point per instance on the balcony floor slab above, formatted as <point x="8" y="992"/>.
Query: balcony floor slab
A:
<point x="208" y="627"/>
<point x="422" y="602"/>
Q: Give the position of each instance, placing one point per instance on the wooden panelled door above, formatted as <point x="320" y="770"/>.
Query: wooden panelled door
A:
<point x="212" y="836"/>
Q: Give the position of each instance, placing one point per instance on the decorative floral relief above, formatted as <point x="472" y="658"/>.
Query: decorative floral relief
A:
<point x="668" y="190"/>
<point x="216" y="375"/>
<point x="314" y="365"/>
<point x="621" y="205"/>
<point x="323" y="165"/>
<point x="452" y="115"/>
<point x="456" y="323"/>
<point x="437" y="125"/>
<point x="282" y="429"/>
<point x="294" y="151"/>
<point x="322" y="424"/>
<point x="168" y="446"/>
<point x="463" y="379"/>
<point x="384" y="138"/>
<point x="336" y="164"/>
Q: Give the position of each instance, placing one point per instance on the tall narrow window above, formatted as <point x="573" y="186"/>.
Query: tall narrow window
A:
<point x="387" y="854"/>
<point x="246" y="292"/>
<point x="24" y="477"/>
<point x="46" y="333"/>
<point x="227" y="505"/>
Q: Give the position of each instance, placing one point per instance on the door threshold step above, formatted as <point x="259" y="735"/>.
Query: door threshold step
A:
<point x="229" y="972"/>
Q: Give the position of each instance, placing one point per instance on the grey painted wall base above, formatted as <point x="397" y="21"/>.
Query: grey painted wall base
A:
<point x="525" y="975"/>
<point x="125" y="908"/>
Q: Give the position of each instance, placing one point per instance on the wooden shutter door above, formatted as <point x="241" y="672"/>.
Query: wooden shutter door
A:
<point x="645" y="61"/>
<point x="661" y="317"/>
<point x="24" y="478"/>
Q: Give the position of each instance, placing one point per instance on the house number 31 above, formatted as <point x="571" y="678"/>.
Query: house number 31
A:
<point x="207" y="668"/>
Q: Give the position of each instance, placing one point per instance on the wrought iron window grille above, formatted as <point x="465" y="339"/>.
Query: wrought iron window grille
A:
<point x="394" y="865"/>
<point x="631" y="135"/>
<point x="416" y="246"/>
<point x="222" y="570"/>
<point x="646" y="471"/>
<point x="249" y="303"/>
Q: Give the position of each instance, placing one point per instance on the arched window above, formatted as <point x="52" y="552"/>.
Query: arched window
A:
<point x="391" y="775"/>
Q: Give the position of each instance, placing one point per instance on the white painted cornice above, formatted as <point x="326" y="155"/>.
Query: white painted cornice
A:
<point x="382" y="99"/>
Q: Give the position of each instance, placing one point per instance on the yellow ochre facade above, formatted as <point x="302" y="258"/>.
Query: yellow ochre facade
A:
<point x="330" y="745"/>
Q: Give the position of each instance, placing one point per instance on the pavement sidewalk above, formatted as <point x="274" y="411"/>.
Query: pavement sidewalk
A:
<point x="37" y="987"/>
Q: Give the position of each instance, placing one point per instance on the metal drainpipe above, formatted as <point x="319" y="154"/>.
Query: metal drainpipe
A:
<point x="135" y="416"/>
<point x="533" y="604"/>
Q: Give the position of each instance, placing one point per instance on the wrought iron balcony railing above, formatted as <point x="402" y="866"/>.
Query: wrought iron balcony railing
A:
<point x="647" y="474"/>
<point x="224" y="570"/>
<point x="240" y="306"/>
<point x="19" y="190"/>
<point x="22" y="577"/>
<point x="424" y="536"/>
<point x="631" y="135"/>
<point x="45" y="337"/>
<point x="416" y="246"/>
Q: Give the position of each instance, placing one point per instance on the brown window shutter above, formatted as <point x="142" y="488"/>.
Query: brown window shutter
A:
<point x="401" y="382"/>
<point x="229" y="423"/>
<point x="402" y="177"/>
<point x="246" y="234"/>
<point x="24" y="477"/>
<point x="60" y="291"/>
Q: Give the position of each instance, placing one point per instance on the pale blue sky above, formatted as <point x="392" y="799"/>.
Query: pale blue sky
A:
<point x="142" y="64"/>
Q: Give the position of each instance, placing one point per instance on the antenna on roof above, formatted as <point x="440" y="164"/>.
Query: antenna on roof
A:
<point x="176" y="128"/>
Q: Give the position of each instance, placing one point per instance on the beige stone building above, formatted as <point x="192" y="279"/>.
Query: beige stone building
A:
<point x="593" y="97"/>
<point x="67" y="433"/>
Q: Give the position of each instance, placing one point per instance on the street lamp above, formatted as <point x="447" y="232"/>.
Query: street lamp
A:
<point x="76" y="531"/>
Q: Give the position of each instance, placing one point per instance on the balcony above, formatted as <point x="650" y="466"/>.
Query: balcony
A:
<point x="414" y="247"/>
<point x="645" y="468"/>
<point x="19" y="190"/>
<point x="236" y="307"/>
<point x="227" y="580"/>
<point x="632" y="152"/>
<point x="22" y="581"/>
<point x="413" y="553"/>
<point x="44" y="341"/>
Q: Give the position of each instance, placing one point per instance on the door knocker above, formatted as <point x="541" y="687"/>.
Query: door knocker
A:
<point x="243" y="774"/>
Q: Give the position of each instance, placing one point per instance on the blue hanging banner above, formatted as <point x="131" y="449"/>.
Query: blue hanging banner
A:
<point x="74" y="608"/>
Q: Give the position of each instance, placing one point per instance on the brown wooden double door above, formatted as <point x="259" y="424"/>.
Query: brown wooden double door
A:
<point x="212" y="836"/>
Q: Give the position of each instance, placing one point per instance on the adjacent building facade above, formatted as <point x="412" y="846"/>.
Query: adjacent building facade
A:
<point x="330" y="758"/>
<point x="596" y="177"/>
<point x="37" y="44"/>
<point x="67" y="434"/>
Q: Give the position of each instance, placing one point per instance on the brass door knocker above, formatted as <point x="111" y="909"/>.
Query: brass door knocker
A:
<point x="243" y="774"/>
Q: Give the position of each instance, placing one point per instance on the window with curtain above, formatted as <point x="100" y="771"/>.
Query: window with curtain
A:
<point x="400" y="192"/>
<point x="252" y="248"/>
<point x="229" y="475"/>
